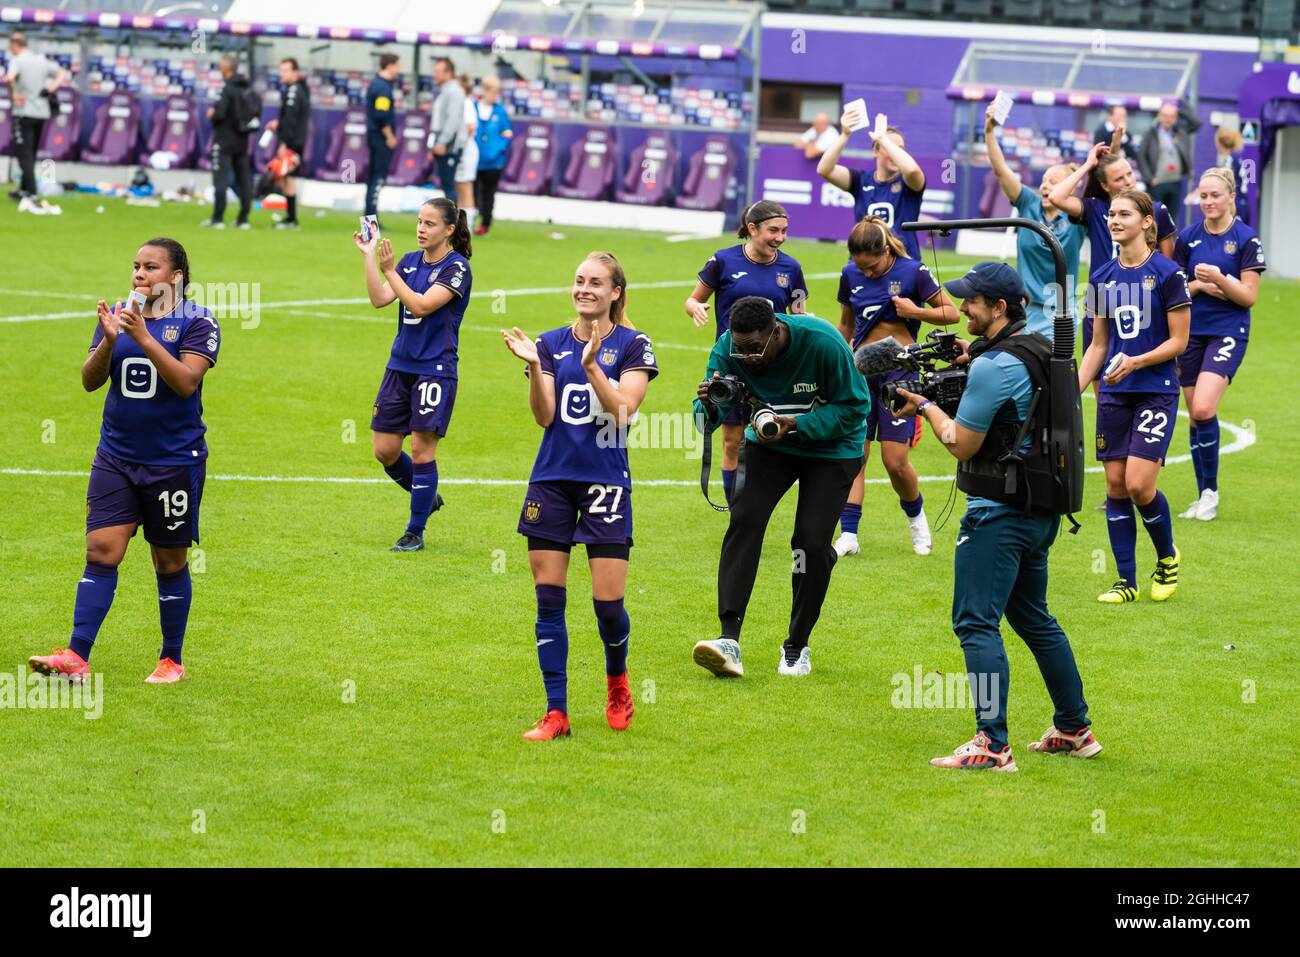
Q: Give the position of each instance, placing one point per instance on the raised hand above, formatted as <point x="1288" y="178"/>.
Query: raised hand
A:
<point x="108" y="321"/>
<point x="367" y="247"/>
<point x="519" y="344"/>
<point x="131" y="321"/>
<point x="592" y="349"/>
<point x="384" y="253"/>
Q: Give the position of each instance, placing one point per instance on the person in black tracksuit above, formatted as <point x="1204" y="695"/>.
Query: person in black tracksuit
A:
<point x="230" y="147"/>
<point x="381" y="137"/>
<point x="291" y="127"/>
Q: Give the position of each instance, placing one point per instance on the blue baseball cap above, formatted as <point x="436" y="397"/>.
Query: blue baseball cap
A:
<point x="996" y="280"/>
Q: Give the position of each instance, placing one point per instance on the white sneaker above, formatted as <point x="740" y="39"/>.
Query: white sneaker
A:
<point x="920" y="530"/>
<point x="801" y="667"/>
<point x="28" y="205"/>
<point x="1208" y="507"/>
<point x="720" y="656"/>
<point x="846" y="544"/>
<point x="1191" y="510"/>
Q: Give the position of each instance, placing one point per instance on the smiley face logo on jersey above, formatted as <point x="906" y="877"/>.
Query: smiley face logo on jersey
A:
<point x="578" y="404"/>
<point x="139" y="378"/>
<point x="884" y="210"/>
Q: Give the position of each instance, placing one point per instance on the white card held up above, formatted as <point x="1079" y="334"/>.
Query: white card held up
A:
<point x="861" y="117"/>
<point x="1002" y="107"/>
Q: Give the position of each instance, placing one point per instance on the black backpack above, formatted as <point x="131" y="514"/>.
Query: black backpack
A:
<point x="248" y="109"/>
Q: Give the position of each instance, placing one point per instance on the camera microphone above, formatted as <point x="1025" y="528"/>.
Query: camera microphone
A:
<point x="879" y="357"/>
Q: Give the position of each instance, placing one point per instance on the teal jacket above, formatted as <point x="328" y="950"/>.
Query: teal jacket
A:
<point x="814" y="380"/>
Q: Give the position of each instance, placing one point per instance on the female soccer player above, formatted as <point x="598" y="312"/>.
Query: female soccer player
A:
<point x="1142" y="314"/>
<point x="880" y="289"/>
<point x="893" y="189"/>
<point x="1224" y="259"/>
<point x="1034" y="260"/>
<point x="418" y="390"/>
<point x="756" y="267"/>
<point x="149" y="466"/>
<point x="585" y="383"/>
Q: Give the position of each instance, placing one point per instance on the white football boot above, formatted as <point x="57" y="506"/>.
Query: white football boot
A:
<point x="846" y="544"/>
<point x="920" y="530"/>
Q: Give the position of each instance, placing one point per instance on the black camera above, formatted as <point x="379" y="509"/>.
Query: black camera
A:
<point x="730" y="390"/>
<point x="943" y="387"/>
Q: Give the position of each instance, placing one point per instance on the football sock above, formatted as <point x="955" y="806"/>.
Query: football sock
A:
<point x="913" y="508"/>
<point x="730" y="626"/>
<point x="94" y="598"/>
<point x="400" y="471"/>
<point x="1194" y="442"/>
<point x="1155" y="516"/>
<point x="728" y="483"/>
<point x="553" y="646"/>
<point x="292" y="202"/>
<point x="174" y="594"/>
<point x="614" y="627"/>
<point x="424" y="489"/>
<point x="849" y="518"/>
<point x="1123" y="537"/>
<point x="1208" y="430"/>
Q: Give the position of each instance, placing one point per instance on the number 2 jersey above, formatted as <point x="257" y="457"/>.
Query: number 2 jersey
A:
<point x="583" y="443"/>
<point x="144" y="420"/>
<point x="871" y="298"/>
<point x="1235" y="251"/>
<point x="427" y="345"/>
<point x="732" y="275"/>
<point x="1138" y="300"/>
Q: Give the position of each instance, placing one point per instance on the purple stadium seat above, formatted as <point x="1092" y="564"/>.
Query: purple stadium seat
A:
<point x="6" y="122"/>
<point x="61" y="137"/>
<point x="707" y="176"/>
<point x="649" y="179"/>
<point x="116" y="133"/>
<point x="410" y="165"/>
<point x="347" y="158"/>
<point x="528" y="170"/>
<point x="590" y="171"/>
<point x="175" y="130"/>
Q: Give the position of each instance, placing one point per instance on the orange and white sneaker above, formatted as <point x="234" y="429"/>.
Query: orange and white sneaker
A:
<point x="168" y="672"/>
<point x="1081" y="744"/>
<point x="62" y="663"/>
<point x="976" y="755"/>
<point x="553" y="724"/>
<point x="619" y="710"/>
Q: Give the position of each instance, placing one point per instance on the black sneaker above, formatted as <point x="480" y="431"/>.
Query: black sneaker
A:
<point x="409" y="542"/>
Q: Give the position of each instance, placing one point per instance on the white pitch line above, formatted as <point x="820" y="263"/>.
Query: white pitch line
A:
<point x="1242" y="440"/>
<point x="480" y="294"/>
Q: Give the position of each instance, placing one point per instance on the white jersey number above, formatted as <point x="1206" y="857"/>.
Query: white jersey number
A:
<point x="1153" y="424"/>
<point x="601" y="492"/>
<point x="175" y="504"/>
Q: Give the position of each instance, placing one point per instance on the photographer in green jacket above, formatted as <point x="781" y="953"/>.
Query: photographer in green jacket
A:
<point x="812" y="407"/>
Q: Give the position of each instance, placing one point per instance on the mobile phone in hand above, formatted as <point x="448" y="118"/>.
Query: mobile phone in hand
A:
<point x="1002" y="107"/>
<point x="369" y="227"/>
<point x="136" y="300"/>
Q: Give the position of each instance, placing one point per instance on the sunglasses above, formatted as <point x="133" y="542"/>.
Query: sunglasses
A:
<point x="743" y="356"/>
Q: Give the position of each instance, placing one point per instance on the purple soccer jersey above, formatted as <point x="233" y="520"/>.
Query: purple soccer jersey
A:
<point x="732" y="275"/>
<point x="1234" y="252"/>
<point x="145" y="422"/>
<point x="871" y="300"/>
<point x="582" y="444"/>
<point x="1137" y="301"/>
<point x="427" y="345"/>
<point x="893" y="201"/>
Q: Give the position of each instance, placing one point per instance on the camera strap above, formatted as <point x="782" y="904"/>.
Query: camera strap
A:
<point x="706" y="462"/>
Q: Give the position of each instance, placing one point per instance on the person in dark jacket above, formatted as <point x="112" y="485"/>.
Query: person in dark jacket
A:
<point x="230" y="146"/>
<point x="1116" y="119"/>
<point x="1165" y="157"/>
<point x="291" y="127"/>
<point x="381" y="137"/>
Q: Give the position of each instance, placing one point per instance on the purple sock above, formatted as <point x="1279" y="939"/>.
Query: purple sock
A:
<point x="850" y="516"/>
<point x="424" y="489"/>
<point x="1123" y="537"/>
<point x="174" y="594"/>
<point x="1155" y="516"/>
<point x="614" y="627"/>
<point x="400" y="471"/>
<point x="553" y="646"/>
<point x="1194" y="442"/>
<point x="95" y="594"/>
<point x="728" y="483"/>
<point x="913" y="508"/>
<point x="1208" y="430"/>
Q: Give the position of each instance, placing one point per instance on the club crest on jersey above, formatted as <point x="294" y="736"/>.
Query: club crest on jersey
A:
<point x="896" y="188"/>
<point x="1148" y="282"/>
<point x="783" y="280"/>
<point x="1101" y="442"/>
<point x="532" y="511"/>
<point x="171" y="334"/>
<point x="1230" y="246"/>
<point x="607" y="357"/>
<point x="895" y="288"/>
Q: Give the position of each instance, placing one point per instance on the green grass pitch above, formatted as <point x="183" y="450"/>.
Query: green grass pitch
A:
<point x="348" y="706"/>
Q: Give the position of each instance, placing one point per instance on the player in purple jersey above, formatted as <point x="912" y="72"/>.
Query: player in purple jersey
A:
<point x="892" y="191"/>
<point x="153" y="351"/>
<point x="884" y="293"/>
<point x="418" y="391"/>
<point x="756" y="267"/>
<point x="1224" y="260"/>
<point x="585" y="382"/>
<point x="1142" y="312"/>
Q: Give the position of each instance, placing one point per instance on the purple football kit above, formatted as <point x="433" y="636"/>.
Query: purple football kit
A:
<point x="1135" y="416"/>
<point x="1220" y="328"/>
<point x="580" y="490"/>
<point x="418" y="390"/>
<point x="151" y="460"/>
<point x="1102" y="245"/>
<point x="732" y="275"/>
<point x="893" y="201"/>
<point x="870" y="298"/>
